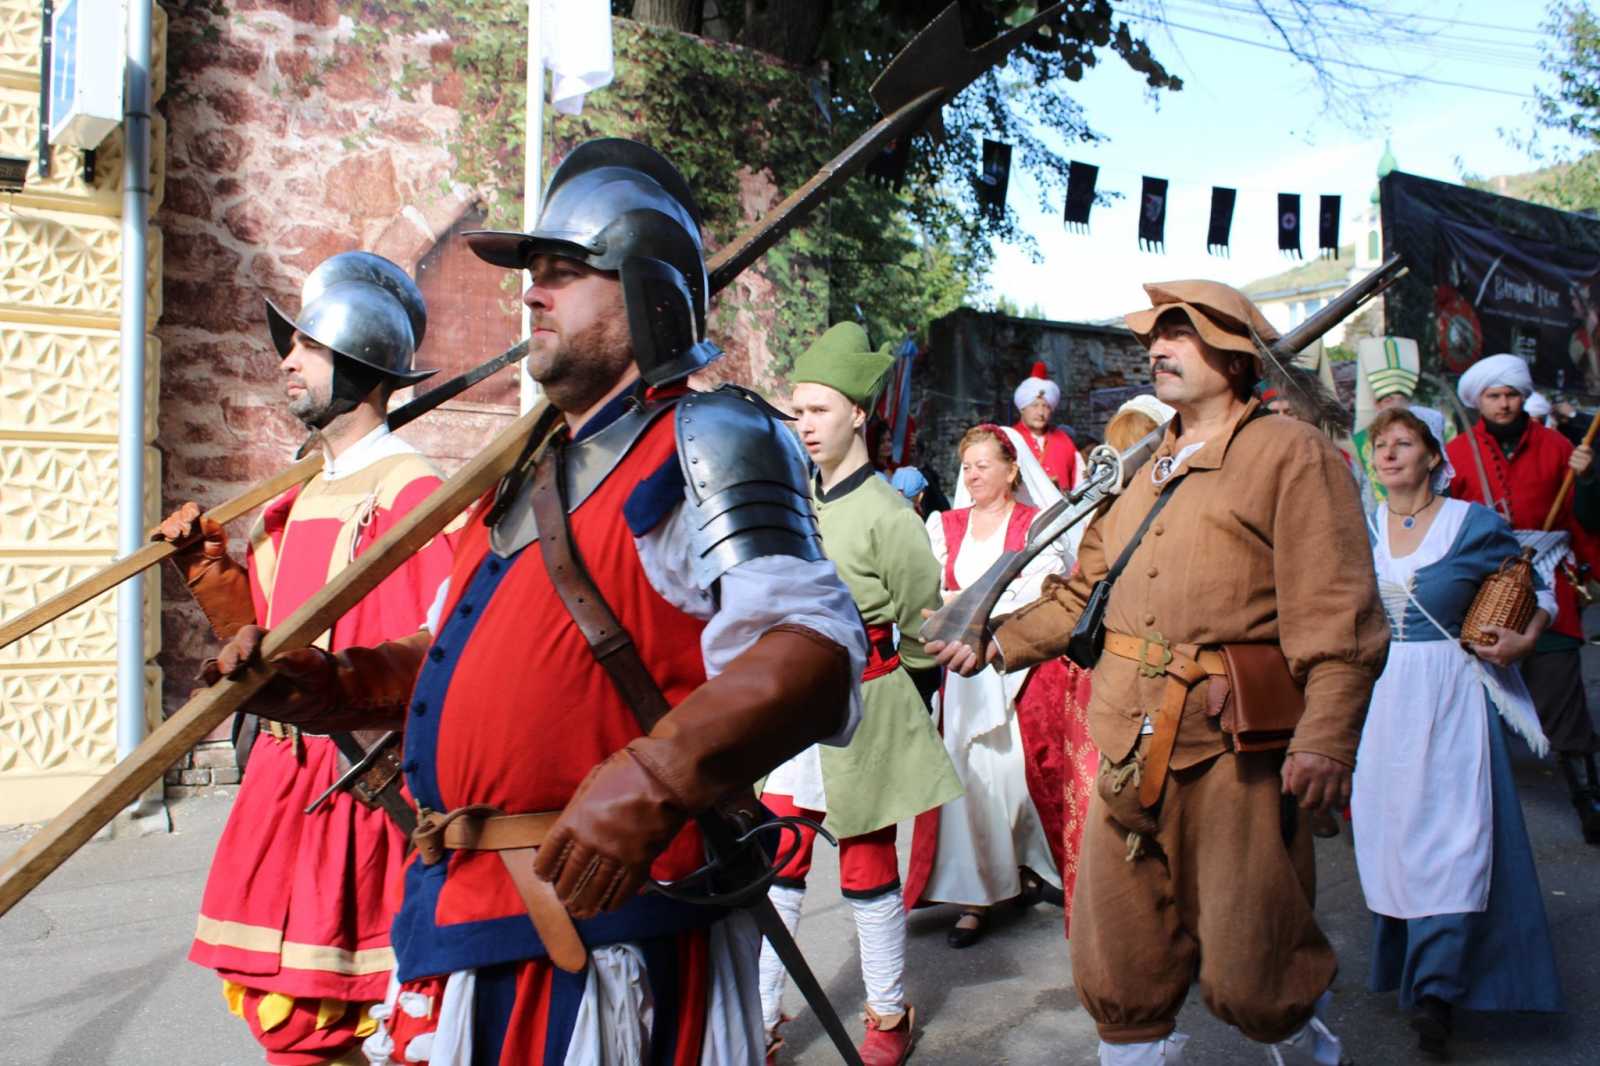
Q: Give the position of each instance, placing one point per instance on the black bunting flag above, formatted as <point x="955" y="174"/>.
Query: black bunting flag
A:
<point x="1080" y="195"/>
<point x="1328" y="227"/>
<point x="888" y="167"/>
<point x="1289" y="224"/>
<point x="1222" y="201"/>
<point x="1153" y="215"/>
<point x="991" y="185"/>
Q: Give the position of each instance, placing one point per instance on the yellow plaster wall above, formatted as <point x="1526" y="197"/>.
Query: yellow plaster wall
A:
<point x="60" y="298"/>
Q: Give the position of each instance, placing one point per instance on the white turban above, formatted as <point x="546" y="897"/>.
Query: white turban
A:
<point x="1036" y="385"/>
<point x="1537" y="406"/>
<point x="1492" y="372"/>
<point x="1152" y="408"/>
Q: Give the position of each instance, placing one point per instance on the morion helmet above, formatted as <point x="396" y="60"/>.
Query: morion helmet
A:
<point x="620" y="206"/>
<point x="369" y="313"/>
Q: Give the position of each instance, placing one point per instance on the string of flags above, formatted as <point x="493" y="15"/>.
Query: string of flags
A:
<point x="992" y="181"/>
<point x="1082" y="177"/>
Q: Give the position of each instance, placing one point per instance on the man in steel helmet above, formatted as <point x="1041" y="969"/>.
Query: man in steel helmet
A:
<point x="294" y="917"/>
<point x="639" y="624"/>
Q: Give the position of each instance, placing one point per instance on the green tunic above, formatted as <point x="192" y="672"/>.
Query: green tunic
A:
<point x="895" y="767"/>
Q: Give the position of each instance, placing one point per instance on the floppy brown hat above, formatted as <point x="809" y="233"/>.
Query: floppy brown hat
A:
<point x="1222" y="315"/>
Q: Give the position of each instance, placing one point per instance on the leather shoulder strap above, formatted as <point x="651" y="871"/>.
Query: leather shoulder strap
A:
<point x="613" y="647"/>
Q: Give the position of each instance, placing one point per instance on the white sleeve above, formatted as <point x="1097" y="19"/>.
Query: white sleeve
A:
<point x="755" y="596"/>
<point x="941" y="550"/>
<point x="436" y="609"/>
<point x="1545" y="600"/>
<point x="1024" y="588"/>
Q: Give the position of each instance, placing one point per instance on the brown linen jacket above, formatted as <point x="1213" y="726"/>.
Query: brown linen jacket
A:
<point x="1264" y="541"/>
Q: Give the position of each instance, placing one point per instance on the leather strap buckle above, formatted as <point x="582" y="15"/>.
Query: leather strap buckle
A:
<point x="1157" y="668"/>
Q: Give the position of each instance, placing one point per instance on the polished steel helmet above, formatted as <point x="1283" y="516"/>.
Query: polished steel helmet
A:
<point x="360" y="306"/>
<point x="618" y="205"/>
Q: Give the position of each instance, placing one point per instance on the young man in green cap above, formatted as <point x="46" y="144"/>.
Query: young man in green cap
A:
<point x="895" y="767"/>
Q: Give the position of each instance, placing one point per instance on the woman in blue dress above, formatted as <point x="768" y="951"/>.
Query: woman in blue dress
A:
<point x="1440" y="842"/>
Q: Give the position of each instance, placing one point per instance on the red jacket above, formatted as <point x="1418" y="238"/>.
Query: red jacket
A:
<point x="1526" y="484"/>
<point x="1058" y="455"/>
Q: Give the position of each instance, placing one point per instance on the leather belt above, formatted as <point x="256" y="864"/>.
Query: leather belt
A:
<point x="516" y="838"/>
<point x="1185" y="666"/>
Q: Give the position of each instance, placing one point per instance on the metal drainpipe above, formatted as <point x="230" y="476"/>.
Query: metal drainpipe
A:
<point x="130" y="425"/>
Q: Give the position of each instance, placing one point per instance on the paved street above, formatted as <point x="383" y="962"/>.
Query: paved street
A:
<point x="92" y="964"/>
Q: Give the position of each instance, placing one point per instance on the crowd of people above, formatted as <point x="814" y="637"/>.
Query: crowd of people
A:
<point x="675" y="595"/>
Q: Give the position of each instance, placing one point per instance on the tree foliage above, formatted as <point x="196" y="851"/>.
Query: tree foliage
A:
<point x="1571" y="110"/>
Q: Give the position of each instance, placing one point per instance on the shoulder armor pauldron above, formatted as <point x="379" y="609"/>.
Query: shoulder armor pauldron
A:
<point x="746" y="482"/>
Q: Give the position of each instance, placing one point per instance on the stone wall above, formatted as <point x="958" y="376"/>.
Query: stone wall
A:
<point x="975" y="360"/>
<point x="288" y="143"/>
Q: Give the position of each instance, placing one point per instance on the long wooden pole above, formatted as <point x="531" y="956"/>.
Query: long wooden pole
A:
<point x="206" y="710"/>
<point x="1566" y="482"/>
<point x="14" y="629"/>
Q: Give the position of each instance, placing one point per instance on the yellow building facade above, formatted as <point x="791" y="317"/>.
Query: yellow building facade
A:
<point x="60" y="297"/>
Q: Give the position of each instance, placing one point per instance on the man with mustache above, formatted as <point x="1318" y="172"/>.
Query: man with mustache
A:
<point x="639" y="624"/>
<point x="1036" y="399"/>
<point x="1197" y="860"/>
<point x="294" y="917"/>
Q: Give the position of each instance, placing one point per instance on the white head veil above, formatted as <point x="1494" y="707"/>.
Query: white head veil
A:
<point x="1034" y="486"/>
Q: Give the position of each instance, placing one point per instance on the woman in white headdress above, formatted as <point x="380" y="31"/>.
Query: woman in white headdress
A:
<point x="1005" y="837"/>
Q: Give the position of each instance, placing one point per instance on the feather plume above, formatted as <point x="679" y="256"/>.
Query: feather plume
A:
<point x="1310" y="398"/>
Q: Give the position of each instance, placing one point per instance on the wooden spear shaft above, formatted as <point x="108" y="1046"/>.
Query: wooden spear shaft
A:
<point x="206" y="710"/>
<point x="15" y="629"/>
<point x="1566" y="482"/>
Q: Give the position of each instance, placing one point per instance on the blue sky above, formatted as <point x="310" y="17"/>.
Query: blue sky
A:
<point x="1253" y="119"/>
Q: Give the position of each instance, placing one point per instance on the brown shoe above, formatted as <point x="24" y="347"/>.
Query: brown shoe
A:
<point x="889" y="1038"/>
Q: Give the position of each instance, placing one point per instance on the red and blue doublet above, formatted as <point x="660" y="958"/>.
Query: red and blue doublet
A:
<point x="1058" y="455"/>
<point x="512" y="710"/>
<point x="296" y="911"/>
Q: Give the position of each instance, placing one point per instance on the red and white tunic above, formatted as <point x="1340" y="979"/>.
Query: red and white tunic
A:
<point x="294" y="916"/>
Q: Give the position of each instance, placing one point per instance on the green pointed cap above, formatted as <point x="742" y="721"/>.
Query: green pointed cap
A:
<point x="841" y="359"/>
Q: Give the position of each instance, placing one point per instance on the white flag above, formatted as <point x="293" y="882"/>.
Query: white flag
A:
<point x="577" y="50"/>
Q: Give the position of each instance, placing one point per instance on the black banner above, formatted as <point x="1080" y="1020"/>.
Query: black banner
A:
<point x="1080" y="195"/>
<point x="1490" y="274"/>
<point x="1289" y="223"/>
<point x="1328" y="227"/>
<point x="996" y="176"/>
<point x="1222" y="201"/>
<point x="1153" y="215"/>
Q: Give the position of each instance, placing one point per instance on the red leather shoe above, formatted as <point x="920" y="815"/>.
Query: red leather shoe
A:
<point x="889" y="1038"/>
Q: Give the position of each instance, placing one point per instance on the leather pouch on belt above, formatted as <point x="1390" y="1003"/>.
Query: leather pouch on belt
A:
<point x="1264" y="705"/>
<point x="1118" y="785"/>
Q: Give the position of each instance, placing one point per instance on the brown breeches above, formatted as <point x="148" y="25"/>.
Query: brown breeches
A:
<point x="1216" y="897"/>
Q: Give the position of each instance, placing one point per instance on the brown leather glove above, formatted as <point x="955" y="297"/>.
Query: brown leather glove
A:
<point x="219" y="585"/>
<point x="788" y="691"/>
<point x="359" y="688"/>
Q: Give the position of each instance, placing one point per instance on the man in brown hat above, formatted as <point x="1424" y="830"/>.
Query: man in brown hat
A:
<point x="1197" y="863"/>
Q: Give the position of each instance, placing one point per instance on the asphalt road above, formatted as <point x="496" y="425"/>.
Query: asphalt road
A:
<point x="92" y="966"/>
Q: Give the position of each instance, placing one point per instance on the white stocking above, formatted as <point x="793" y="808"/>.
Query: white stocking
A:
<point x="1168" y="1051"/>
<point x="787" y="903"/>
<point x="881" y="928"/>
<point x="1314" y="1045"/>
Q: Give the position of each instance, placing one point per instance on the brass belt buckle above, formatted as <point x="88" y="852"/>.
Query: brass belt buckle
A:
<point x="1154" y="669"/>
